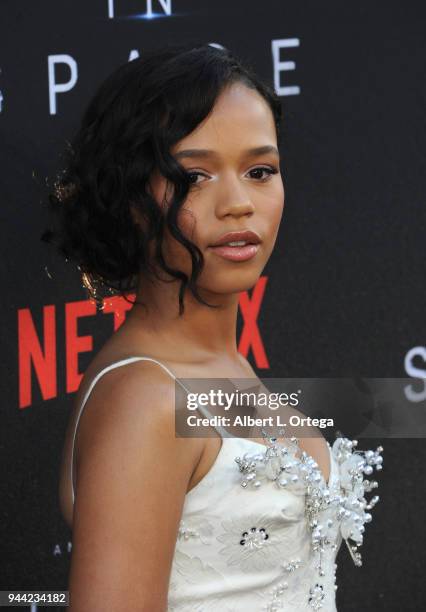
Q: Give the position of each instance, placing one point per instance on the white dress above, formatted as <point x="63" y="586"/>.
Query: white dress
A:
<point x="261" y="530"/>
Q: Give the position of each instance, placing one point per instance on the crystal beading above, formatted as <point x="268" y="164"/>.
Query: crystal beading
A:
<point x="331" y="508"/>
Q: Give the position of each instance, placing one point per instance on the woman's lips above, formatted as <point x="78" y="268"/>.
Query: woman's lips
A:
<point x="236" y="253"/>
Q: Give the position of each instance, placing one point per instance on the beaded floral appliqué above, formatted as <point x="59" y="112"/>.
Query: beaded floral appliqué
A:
<point x="251" y="543"/>
<point x="333" y="510"/>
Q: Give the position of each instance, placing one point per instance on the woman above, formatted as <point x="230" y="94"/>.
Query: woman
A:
<point x="177" y="156"/>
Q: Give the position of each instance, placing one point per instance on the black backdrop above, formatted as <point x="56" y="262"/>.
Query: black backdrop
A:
<point x="343" y="293"/>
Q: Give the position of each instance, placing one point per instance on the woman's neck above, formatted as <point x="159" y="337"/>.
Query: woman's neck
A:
<point x="200" y="330"/>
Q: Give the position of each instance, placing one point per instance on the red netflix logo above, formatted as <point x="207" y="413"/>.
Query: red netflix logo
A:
<point x="41" y="352"/>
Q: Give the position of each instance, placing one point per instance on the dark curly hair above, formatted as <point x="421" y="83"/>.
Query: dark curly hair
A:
<point x="137" y="114"/>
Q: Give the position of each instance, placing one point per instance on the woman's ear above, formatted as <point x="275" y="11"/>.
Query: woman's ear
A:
<point x="151" y="187"/>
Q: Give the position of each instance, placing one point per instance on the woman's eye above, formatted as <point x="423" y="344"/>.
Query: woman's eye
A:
<point x="193" y="176"/>
<point x="258" y="173"/>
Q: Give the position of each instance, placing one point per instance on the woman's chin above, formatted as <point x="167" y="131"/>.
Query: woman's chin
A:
<point x="226" y="284"/>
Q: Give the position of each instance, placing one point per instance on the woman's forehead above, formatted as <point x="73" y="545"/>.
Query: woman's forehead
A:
<point x="240" y="120"/>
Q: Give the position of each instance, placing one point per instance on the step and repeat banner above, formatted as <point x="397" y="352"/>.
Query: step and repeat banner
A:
<point x="342" y="296"/>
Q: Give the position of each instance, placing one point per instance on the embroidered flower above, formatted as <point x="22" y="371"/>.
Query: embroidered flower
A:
<point x="257" y="542"/>
<point x="255" y="538"/>
<point x="316" y="596"/>
<point x="291" y="590"/>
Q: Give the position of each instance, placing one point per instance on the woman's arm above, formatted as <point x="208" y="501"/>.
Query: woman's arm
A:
<point x="132" y="476"/>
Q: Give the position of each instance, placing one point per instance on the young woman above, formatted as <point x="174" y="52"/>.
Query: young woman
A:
<point x="173" y="191"/>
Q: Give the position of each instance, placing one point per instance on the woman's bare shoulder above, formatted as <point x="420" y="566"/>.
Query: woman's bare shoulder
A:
<point x="130" y="390"/>
<point x="132" y="477"/>
<point x="130" y="406"/>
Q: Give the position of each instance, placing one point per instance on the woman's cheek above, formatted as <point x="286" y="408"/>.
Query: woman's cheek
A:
<point x="275" y="207"/>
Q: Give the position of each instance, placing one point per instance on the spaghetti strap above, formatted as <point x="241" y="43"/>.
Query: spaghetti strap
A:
<point x="220" y="430"/>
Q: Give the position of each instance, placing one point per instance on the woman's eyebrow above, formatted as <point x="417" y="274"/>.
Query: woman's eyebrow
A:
<point x="204" y="153"/>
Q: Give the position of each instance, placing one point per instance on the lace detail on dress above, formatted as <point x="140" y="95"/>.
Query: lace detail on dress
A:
<point x="263" y="532"/>
<point x="335" y="510"/>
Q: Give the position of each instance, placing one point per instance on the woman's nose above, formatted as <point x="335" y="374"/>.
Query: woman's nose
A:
<point x="233" y="199"/>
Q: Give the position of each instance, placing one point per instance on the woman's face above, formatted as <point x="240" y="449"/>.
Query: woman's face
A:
<point x="233" y="161"/>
